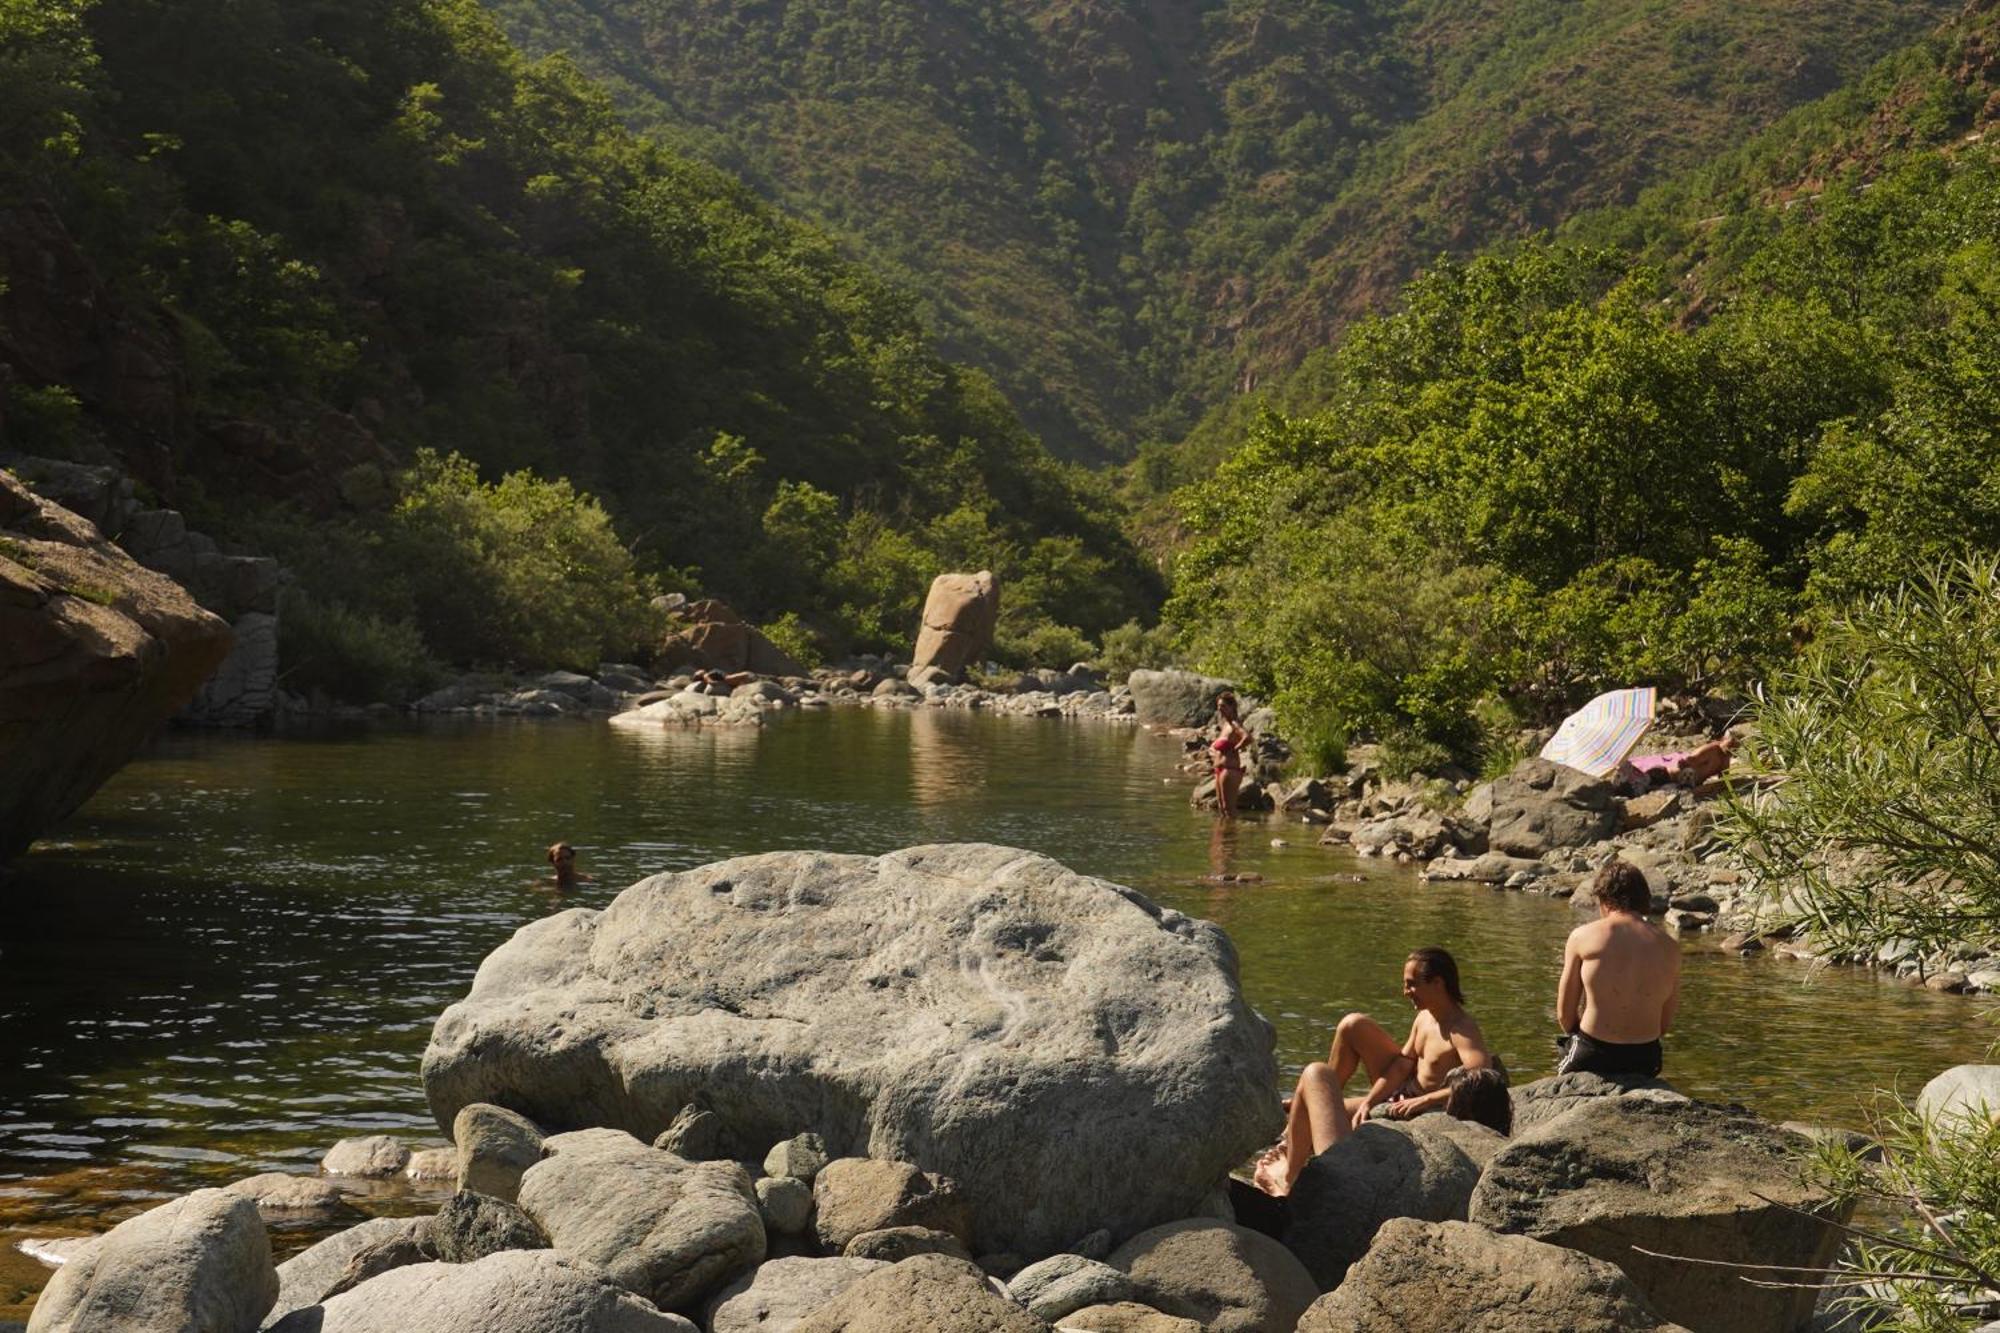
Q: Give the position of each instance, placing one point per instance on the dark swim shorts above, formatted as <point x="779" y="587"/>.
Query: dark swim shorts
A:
<point x="1587" y="1055"/>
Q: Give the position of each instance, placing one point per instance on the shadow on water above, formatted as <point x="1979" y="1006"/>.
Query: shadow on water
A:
<point x="233" y="955"/>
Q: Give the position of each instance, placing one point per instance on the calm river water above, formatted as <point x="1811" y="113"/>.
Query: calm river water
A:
<point x="233" y="955"/>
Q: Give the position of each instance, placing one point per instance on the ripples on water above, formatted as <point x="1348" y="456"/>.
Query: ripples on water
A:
<point x="233" y="956"/>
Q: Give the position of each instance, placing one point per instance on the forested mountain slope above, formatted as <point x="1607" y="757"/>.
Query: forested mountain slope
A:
<point x="262" y="254"/>
<point x="1126" y="208"/>
<point x="1665" y="447"/>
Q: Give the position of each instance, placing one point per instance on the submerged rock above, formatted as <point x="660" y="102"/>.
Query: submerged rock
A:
<point x="96" y="651"/>
<point x="1452" y="1277"/>
<point x="919" y="1006"/>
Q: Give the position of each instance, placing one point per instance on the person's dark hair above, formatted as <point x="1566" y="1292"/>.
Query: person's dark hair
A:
<point x="1434" y="964"/>
<point x="1480" y="1095"/>
<point x="1622" y="886"/>
<point x="1225" y="703"/>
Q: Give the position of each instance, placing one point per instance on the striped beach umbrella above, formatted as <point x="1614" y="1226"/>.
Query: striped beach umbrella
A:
<point x="1598" y="736"/>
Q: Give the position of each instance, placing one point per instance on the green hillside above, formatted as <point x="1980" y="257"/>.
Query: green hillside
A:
<point x="1126" y="211"/>
<point x="1663" y="448"/>
<point x="265" y="254"/>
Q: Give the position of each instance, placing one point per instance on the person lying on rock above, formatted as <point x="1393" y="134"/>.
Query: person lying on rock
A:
<point x="1621" y="981"/>
<point x="1407" y="1080"/>
<point x="1690" y="768"/>
<point x="563" y="857"/>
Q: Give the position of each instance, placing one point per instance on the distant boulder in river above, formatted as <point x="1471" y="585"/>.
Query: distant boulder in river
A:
<point x="1071" y="1055"/>
<point x="96" y="651"/>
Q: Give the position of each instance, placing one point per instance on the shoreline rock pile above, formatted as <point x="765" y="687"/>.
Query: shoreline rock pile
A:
<point x="956" y="1088"/>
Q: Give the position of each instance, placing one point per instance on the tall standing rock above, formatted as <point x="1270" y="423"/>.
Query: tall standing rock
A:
<point x="95" y="653"/>
<point x="959" y="616"/>
<point x="1071" y="1055"/>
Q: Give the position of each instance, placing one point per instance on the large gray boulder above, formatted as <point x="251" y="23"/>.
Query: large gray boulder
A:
<point x="920" y="1006"/>
<point x="495" y="1145"/>
<point x="519" y="1291"/>
<point x="310" y="1276"/>
<point x="781" y="1292"/>
<point x="1617" y="1176"/>
<point x="1424" y="1168"/>
<point x="928" y="1294"/>
<point x="669" y="1229"/>
<point x="1227" y="1278"/>
<point x="197" y="1264"/>
<point x="1961" y="1092"/>
<point x="1174" y="698"/>
<point x="1541" y="806"/>
<point x="1452" y="1277"/>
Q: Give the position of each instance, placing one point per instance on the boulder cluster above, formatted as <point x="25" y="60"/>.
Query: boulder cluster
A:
<point x="952" y="1088"/>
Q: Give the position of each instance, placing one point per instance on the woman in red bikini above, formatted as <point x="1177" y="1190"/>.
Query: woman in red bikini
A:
<point x="1228" y="753"/>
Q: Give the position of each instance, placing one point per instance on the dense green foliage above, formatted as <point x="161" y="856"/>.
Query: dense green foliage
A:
<point x="1124" y="211"/>
<point x="345" y="233"/>
<point x="1881" y="828"/>
<point x="1534" y="482"/>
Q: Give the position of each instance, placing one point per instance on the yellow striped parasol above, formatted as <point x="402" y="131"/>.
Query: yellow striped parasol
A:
<point x="1597" y="737"/>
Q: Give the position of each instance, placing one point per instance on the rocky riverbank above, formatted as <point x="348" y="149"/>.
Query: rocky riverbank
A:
<point x="1541" y="828"/>
<point x="953" y="1087"/>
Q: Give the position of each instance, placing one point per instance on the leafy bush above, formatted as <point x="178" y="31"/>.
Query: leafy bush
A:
<point x="1128" y="647"/>
<point x="1044" y="644"/>
<point x="796" y="639"/>
<point x="1884" y="746"/>
<point x="518" y="571"/>
<point x="1929" y="1268"/>
<point x="353" y="656"/>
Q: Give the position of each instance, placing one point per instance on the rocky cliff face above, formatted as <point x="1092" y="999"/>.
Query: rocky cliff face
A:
<point x="95" y="652"/>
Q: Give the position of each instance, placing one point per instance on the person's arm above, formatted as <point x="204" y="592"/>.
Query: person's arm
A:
<point x="1395" y="1076"/>
<point x="1569" y="992"/>
<point x="1470" y="1044"/>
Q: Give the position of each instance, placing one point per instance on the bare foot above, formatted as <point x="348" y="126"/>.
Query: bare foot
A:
<point x="1270" y="1173"/>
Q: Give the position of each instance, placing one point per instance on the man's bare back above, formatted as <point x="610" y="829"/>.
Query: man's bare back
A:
<point x="1628" y="975"/>
<point x="1621" y="981"/>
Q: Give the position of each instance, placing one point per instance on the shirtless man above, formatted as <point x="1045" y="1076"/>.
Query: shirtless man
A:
<point x="563" y="857"/>
<point x="1621" y="981"/>
<point x="1407" y="1080"/>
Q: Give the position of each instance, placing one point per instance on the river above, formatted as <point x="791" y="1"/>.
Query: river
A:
<point x="233" y="955"/>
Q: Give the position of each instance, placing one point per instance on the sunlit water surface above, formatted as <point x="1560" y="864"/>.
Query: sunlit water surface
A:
<point x="233" y="955"/>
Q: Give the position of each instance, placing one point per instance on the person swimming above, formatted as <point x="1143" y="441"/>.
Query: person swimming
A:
<point x="563" y="857"/>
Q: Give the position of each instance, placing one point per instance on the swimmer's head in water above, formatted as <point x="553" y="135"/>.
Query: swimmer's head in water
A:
<point x="1432" y="964"/>
<point x="561" y="854"/>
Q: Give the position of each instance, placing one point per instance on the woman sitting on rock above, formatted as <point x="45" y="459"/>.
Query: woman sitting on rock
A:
<point x="1407" y="1080"/>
